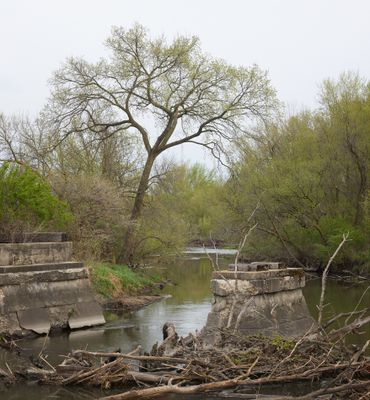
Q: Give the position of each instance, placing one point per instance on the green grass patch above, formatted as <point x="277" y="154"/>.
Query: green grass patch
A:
<point x="113" y="280"/>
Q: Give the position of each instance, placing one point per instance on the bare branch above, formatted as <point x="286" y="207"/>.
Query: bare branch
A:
<point x="324" y="278"/>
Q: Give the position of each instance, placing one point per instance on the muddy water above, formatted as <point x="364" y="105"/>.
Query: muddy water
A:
<point x="187" y="308"/>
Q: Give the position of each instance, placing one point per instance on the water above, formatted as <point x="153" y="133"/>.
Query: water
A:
<point x="187" y="308"/>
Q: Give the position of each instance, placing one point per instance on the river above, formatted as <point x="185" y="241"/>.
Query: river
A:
<point x="187" y="307"/>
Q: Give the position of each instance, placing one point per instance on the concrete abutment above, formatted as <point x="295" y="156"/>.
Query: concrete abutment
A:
<point x="255" y="299"/>
<point x="41" y="288"/>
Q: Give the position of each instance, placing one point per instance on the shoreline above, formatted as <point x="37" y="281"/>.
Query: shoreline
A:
<point x="130" y="303"/>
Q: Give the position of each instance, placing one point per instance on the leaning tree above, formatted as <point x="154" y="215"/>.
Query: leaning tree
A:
<point x="166" y="93"/>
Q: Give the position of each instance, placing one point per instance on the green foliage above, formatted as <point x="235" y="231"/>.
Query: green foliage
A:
<point x="28" y="202"/>
<point x="184" y="204"/>
<point x="311" y="176"/>
<point x="112" y="280"/>
<point x="165" y="94"/>
<point x="281" y="343"/>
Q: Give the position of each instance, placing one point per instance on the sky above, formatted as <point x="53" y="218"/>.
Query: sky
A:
<point x="299" y="42"/>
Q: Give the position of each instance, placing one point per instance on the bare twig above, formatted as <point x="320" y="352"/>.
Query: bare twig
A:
<point x="324" y="278"/>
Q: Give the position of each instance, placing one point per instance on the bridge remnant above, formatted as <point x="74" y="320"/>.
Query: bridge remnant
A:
<point x="258" y="298"/>
<point x="41" y="289"/>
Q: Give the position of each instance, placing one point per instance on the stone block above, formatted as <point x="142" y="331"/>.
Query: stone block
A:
<point x="221" y="287"/>
<point x="41" y="289"/>
<point x="6" y="269"/>
<point x="36" y="320"/>
<point x="59" y="316"/>
<point x="268" y="302"/>
<point x="219" y="305"/>
<point x="86" y="314"/>
<point x="34" y="237"/>
<point x="45" y="294"/>
<point x="252" y="275"/>
<point x="226" y="287"/>
<point x="34" y="253"/>
<point x="21" y="278"/>
<point x="255" y="266"/>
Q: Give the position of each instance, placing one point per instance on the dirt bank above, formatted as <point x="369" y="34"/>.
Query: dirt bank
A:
<point x="130" y="303"/>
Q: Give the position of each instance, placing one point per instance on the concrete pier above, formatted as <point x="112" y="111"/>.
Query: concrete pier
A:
<point x="41" y="288"/>
<point x="258" y="298"/>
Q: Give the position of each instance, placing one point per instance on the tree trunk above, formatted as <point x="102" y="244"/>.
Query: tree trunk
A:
<point x="126" y="256"/>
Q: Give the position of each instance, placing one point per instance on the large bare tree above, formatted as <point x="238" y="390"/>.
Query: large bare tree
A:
<point x="167" y="93"/>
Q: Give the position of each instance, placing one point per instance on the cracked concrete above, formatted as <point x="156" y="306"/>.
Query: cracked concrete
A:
<point x="41" y="289"/>
<point x="268" y="302"/>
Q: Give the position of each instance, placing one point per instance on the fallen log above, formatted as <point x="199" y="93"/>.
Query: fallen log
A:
<point x="152" y="393"/>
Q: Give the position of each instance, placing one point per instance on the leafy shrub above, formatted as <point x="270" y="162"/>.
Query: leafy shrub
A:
<point x="27" y="201"/>
<point x="100" y="217"/>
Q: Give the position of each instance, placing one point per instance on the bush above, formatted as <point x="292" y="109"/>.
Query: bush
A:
<point x="27" y="202"/>
<point x="100" y="216"/>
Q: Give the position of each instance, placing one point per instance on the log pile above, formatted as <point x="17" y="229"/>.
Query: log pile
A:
<point x="236" y="365"/>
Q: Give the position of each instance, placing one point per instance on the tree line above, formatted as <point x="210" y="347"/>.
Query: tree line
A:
<point x="98" y="149"/>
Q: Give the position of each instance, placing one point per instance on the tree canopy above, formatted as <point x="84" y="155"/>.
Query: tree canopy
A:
<point x="310" y="174"/>
<point x="166" y="93"/>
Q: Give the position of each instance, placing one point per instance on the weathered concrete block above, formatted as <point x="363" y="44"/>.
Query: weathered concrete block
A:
<point x="33" y="237"/>
<point x="255" y="266"/>
<point x="44" y="294"/>
<point x="251" y="275"/>
<point x="269" y="302"/>
<point x="226" y="287"/>
<point x="39" y="306"/>
<point x="283" y="313"/>
<point x="35" y="253"/>
<point x="221" y="287"/>
<point x="41" y="289"/>
<point x="64" y="274"/>
<point x="86" y="314"/>
<point x="219" y="305"/>
<point x="36" y="320"/>
<point x="6" y="269"/>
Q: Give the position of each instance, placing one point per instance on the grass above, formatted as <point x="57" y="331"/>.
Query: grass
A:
<point x="113" y="280"/>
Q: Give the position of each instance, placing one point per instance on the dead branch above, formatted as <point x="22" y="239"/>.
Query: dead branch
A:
<point x="324" y="279"/>
<point x="342" y="388"/>
<point x="345" y="330"/>
<point x="130" y="356"/>
<point x="151" y="393"/>
<point x="342" y="315"/>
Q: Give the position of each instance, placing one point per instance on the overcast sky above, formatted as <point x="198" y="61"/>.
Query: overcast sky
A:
<point x="300" y="42"/>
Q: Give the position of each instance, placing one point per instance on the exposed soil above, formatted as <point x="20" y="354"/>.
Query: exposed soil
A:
<point x="130" y="303"/>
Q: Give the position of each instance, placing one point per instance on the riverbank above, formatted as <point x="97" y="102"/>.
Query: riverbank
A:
<point x="120" y="289"/>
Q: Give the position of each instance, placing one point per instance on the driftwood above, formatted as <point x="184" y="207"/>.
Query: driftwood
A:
<point x="152" y="393"/>
<point x="194" y="367"/>
<point x="353" y="327"/>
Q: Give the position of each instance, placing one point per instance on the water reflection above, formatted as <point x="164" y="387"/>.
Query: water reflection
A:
<point x="340" y="297"/>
